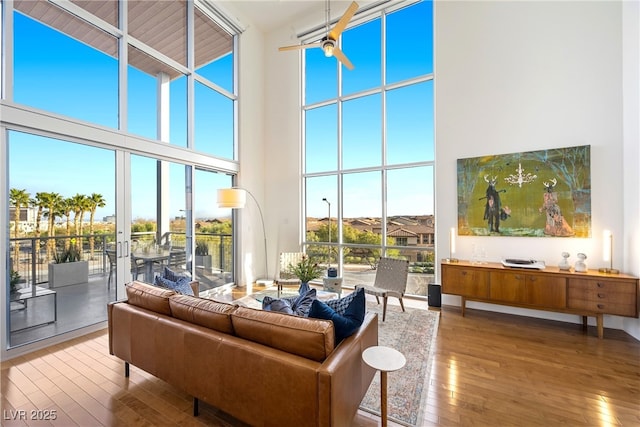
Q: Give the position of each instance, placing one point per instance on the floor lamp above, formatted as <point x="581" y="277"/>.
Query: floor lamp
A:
<point x="236" y="198"/>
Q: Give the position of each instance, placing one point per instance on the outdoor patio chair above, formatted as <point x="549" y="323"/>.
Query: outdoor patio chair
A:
<point x="137" y="265"/>
<point x="177" y="260"/>
<point x="285" y="276"/>
<point x="111" y="254"/>
<point x="390" y="281"/>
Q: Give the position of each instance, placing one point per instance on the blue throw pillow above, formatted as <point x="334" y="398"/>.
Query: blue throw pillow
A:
<point x="181" y="285"/>
<point x="169" y="274"/>
<point x="340" y="305"/>
<point x="282" y="305"/>
<point x="347" y="323"/>
<point x="298" y="305"/>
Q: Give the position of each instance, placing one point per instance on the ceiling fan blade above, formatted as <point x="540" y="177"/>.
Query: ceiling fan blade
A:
<point x="342" y="58"/>
<point x="299" y="46"/>
<point x="342" y="23"/>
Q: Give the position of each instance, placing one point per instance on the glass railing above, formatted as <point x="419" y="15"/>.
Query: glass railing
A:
<point x="30" y="256"/>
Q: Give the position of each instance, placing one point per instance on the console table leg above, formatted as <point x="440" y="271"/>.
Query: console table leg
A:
<point x="463" y="303"/>
<point x="584" y="322"/>
<point x="600" y="323"/>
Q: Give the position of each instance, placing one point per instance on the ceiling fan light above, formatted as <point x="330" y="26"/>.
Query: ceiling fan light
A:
<point x="327" y="47"/>
<point x="328" y="50"/>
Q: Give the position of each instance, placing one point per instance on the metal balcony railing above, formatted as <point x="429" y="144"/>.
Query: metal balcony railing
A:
<point x="30" y="256"/>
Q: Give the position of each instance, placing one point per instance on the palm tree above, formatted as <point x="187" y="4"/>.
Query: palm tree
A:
<point x="77" y="203"/>
<point x="65" y="209"/>
<point x="18" y="199"/>
<point x="51" y="202"/>
<point x="38" y="202"/>
<point x="95" y="201"/>
<point x="85" y="206"/>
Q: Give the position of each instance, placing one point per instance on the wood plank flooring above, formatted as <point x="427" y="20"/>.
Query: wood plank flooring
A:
<point x="489" y="369"/>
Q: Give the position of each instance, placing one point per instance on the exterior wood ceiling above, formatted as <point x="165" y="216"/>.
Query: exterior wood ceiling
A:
<point x="161" y="25"/>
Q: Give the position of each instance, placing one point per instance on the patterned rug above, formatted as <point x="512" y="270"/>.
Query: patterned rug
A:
<point x="412" y="333"/>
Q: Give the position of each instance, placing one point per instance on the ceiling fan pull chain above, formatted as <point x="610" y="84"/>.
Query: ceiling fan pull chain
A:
<point x="327" y="17"/>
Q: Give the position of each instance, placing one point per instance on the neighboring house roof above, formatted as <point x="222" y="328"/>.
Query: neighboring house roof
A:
<point x="401" y="232"/>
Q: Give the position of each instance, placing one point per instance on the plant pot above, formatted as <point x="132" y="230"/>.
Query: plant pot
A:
<point x="68" y="273"/>
<point x="204" y="261"/>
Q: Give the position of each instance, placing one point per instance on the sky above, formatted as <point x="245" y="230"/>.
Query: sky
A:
<point x="56" y="73"/>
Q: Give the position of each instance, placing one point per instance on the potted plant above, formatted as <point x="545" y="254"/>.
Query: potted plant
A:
<point x="14" y="279"/>
<point x="203" y="259"/>
<point x="68" y="268"/>
<point x="306" y="270"/>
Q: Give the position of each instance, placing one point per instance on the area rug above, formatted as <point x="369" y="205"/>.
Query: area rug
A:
<point x="412" y="333"/>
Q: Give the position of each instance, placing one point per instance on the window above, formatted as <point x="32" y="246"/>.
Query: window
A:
<point x="47" y="77"/>
<point x="369" y="146"/>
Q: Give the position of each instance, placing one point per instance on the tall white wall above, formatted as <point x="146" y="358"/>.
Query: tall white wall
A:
<point x="525" y="76"/>
<point x="251" y="135"/>
<point x="269" y="133"/>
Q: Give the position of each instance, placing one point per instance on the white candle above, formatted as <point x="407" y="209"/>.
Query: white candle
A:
<point x="606" y="246"/>
<point x="452" y="241"/>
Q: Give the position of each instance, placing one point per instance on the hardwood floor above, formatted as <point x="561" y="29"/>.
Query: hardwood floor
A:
<point x="488" y="369"/>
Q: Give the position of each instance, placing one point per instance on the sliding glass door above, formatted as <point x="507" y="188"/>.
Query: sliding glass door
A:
<point x="62" y="221"/>
<point x="79" y="231"/>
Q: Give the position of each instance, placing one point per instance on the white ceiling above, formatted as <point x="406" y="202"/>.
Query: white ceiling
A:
<point x="271" y="14"/>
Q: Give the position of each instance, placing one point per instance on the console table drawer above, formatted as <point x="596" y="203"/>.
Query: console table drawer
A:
<point x="594" y="287"/>
<point x="604" y="306"/>
<point x="603" y="296"/>
<point x="465" y="282"/>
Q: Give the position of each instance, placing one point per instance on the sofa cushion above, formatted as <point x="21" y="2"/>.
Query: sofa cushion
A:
<point x="182" y="285"/>
<point x="310" y="338"/>
<point x="150" y="297"/>
<point x="174" y="276"/>
<point x="297" y="305"/>
<point x="204" y="312"/>
<point x="340" y="305"/>
<point x="347" y="323"/>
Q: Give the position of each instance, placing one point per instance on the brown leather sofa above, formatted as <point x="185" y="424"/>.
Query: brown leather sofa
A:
<point x="261" y="367"/>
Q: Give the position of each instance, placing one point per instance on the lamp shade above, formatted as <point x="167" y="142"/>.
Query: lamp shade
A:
<point x="232" y="198"/>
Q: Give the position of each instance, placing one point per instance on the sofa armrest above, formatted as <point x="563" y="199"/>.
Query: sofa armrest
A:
<point x="110" y="306"/>
<point x="344" y="378"/>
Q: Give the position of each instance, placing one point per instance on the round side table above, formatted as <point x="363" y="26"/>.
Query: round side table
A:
<point x="384" y="359"/>
<point x="333" y="284"/>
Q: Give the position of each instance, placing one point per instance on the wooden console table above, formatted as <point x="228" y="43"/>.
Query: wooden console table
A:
<point x="586" y="294"/>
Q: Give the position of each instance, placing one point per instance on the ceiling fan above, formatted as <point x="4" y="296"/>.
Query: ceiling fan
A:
<point x="329" y="43"/>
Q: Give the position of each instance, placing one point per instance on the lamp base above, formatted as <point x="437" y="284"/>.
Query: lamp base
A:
<point x="609" y="271"/>
<point x="452" y="260"/>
